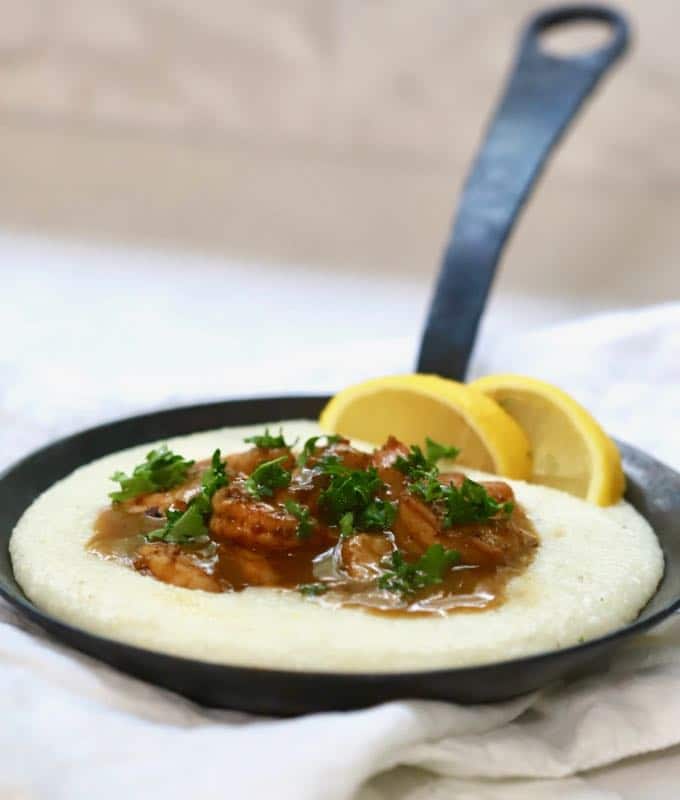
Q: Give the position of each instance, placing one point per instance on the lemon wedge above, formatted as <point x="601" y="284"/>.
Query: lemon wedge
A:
<point x="570" y="450"/>
<point x="412" y="407"/>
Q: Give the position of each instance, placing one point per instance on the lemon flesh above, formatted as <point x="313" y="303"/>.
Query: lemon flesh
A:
<point x="570" y="450"/>
<point x="413" y="407"/>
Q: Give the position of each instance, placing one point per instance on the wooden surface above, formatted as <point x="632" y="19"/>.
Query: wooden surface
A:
<point x="330" y="133"/>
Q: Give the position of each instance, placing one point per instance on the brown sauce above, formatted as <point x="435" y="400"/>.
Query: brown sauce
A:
<point x="491" y="552"/>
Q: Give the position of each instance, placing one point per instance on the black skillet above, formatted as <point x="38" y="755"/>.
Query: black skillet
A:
<point x="543" y="95"/>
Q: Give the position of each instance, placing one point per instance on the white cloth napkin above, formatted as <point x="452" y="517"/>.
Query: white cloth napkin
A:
<point x="73" y="728"/>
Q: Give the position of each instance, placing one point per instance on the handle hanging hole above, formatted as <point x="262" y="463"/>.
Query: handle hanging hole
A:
<point x="576" y="37"/>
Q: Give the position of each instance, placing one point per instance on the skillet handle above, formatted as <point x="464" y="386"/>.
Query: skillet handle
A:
<point x="543" y="95"/>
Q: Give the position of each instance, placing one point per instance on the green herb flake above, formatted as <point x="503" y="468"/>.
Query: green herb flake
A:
<point x="267" y="477"/>
<point x="348" y="489"/>
<point x="436" y="451"/>
<point x="189" y="525"/>
<point x="377" y="516"/>
<point x="162" y="469"/>
<point x="215" y="477"/>
<point x="346" y="524"/>
<point x="471" y="503"/>
<point x="181" y="526"/>
<point x="312" y="589"/>
<point x="423" y="466"/>
<point x="416" y="465"/>
<point x="303" y="515"/>
<point x="267" y="440"/>
<point x="406" y="577"/>
<point x="310" y="446"/>
<point x="429" y="489"/>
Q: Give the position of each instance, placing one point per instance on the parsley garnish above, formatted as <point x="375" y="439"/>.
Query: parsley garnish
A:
<point x="303" y="516"/>
<point x="312" y="589"/>
<point x="267" y="441"/>
<point x="161" y="470"/>
<point x="377" y="516"/>
<point x="310" y="445"/>
<point x="405" y="577"/>
<point x="215" y="477"/>
<point x="436" y="452"/>
<point x="348" y="490"/>
<point x="346" y="524"/>
<point x="181" y="526"/>
<point x="268" y="476"/>
<point x="470" y="503"/>
<point x="428" y="489"/>
<point x="185" y="526"/>
<point x="417" y="465"/>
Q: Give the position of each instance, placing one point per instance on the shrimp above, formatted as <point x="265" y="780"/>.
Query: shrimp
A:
<point x="249" y="568"/>
<point x="250" y="460"/>
<point x="386" y="455"/>
<point x="167" y="563"/>
<point x="416" y="526"/>
<point x="362" y="554"/>
<point x="239" y="518"/>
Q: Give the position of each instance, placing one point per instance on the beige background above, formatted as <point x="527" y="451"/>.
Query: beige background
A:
<point x="329" y="133"/>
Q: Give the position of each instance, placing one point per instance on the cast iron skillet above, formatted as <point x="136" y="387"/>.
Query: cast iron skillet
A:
<point x="543" y="95"/>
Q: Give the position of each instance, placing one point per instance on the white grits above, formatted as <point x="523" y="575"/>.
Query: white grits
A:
<point x="594" y="571"/>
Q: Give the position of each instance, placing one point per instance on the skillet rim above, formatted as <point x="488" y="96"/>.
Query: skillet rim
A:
<point x="49" y="623"/>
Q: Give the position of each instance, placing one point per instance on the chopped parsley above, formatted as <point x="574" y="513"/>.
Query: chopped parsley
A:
<point x="377" y="516"/>
<point x="429" y="489"/>
<point x="415" y="465"/>
<point x="406" y="577"/>
<point x="436" y="451"/>
<point x="348" y="489"/>
<point x="470" y="503"/>
<point x="162" y="469"/>
<point x="181" y="526"/>
<point x="346" y="524"/>
<point x="312" y="589"/>
<point x="310" y="445"/>
<point x="418" y="465"/>
<point x="214" y="477"/>
<point x="303" y="515"/>
<point x="268" y="476"/>
<point x="188" y="525"/>
<point x="267" y="441"/>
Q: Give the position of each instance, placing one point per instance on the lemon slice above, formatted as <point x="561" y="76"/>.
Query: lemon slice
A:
<point x="570" y="450"/>
<point x="412" y="407"/>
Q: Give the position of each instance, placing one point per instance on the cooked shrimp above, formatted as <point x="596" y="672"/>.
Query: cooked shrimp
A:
<point x="386" y="455"/>
<point x="237" y="517"/>
<point x="416" y="526"/>
<point x="249" y="460"/>
<point x="249" y="568"/>
<point x="362" y="554"/>
<point x="169" y="564"/>
<point x="488" y="544"/>
<point x="344" y="452"/>
<point x="500" y="491"/>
